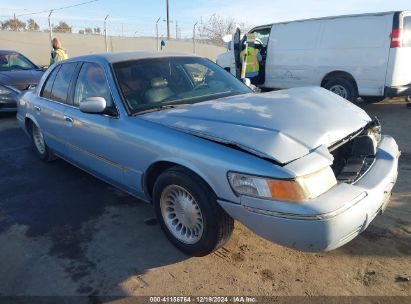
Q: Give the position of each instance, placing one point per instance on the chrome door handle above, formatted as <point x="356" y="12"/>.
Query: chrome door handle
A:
<point x="37" y="108"/>
<point x="68" y="119"/>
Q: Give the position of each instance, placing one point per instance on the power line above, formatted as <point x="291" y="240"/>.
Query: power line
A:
<point x="57" y="9"/>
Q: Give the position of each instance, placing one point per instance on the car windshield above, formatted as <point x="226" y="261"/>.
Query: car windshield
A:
<point x="162" y="82"/>
<point x="15" y="61"/>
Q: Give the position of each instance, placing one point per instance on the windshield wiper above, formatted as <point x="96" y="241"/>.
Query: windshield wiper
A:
<point x="159" y="108"/>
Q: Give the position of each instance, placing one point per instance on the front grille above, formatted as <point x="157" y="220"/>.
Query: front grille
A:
<point x="8" y="105"/>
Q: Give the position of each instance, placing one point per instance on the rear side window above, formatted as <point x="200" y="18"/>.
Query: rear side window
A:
<point x="406" y="31"/>
<point x="46" y="91"/>
<point x="62" y="82"/>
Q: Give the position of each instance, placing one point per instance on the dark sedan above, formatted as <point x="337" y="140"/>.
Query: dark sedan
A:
<point x="17" y="73"/>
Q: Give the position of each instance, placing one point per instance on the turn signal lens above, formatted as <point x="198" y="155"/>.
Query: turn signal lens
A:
<point x="286" y="190"/>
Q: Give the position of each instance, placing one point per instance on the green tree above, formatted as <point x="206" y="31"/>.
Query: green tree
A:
<point x="32" y="26"/>
<point x="88" y="30"/>
<point x="81" y="32"/>
<point x="97" y="31"/>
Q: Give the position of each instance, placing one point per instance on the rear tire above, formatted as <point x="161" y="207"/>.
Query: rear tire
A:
<point x="188" y="212"/>
<point x="40" y="146"/>
<point x="343" y="87"/>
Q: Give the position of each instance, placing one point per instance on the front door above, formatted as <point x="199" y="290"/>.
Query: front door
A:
<point x="236" y="49"/>
<point x="93" y="140"/>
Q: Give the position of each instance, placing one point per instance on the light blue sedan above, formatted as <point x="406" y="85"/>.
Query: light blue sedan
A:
<point x="301" y="167"/>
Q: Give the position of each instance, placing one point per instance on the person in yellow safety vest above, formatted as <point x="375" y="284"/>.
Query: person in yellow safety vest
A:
<point x="58" y="53"/>
<point x="252" y="62"/>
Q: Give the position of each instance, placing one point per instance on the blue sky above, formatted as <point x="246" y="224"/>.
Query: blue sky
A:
<point x="138" y="18"/>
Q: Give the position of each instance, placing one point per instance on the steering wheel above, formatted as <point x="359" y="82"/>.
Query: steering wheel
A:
<point x="201" y="85"/>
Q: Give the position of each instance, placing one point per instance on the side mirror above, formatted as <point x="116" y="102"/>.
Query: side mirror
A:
<point x="93" y="105"/>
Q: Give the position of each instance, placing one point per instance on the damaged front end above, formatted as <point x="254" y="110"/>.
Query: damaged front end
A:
<point x="355" y="154"/>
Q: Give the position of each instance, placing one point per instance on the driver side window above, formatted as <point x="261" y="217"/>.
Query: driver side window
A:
<point x="91" y="82"/>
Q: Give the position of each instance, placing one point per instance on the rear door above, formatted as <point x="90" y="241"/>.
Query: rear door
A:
<point x="49" y="109"/>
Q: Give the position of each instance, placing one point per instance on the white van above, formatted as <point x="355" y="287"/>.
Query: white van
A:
<point x="366" y="55"/>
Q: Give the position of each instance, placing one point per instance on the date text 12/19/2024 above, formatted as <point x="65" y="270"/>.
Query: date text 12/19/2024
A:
<point x="204" y="299"/>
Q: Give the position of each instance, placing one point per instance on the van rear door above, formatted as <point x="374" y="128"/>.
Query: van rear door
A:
<point x="398" y="81"/>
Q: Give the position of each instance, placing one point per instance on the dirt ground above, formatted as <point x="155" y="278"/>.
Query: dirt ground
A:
<point x="63" y="232"/>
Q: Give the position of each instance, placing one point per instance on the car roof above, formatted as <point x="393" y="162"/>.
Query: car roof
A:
<point x="7" y="52"/>
<point x="114" y="57"/>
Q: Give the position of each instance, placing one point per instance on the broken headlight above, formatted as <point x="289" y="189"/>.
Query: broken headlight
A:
<point x="374" y="130"/>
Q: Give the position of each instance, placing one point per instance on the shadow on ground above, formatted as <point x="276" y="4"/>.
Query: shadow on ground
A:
<point x="99" y="235"/>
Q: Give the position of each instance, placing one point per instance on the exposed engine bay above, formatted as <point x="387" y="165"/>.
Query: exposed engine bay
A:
<point x="355" y="154"/>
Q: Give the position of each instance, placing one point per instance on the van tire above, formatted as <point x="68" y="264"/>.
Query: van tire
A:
<point x="173" y="190"/>
<point x="344" y="87"/>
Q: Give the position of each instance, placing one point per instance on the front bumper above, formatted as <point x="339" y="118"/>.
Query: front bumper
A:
<point x="9" y="104"/>
<point x="331" y="220"/>
<point x="8" y="107"/>
<point x="398" y="91"/>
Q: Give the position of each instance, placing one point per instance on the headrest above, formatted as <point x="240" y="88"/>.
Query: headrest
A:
<point x="3" y="60"/>
<point x="157" y="83"/>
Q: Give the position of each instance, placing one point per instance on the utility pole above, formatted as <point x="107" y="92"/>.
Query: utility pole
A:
<point x="15" y="22"/>
<point x="158" y="43"/>
<point x="168" y="21"/>
<point x="50" y="29"/>
<point x="176" y="29"/>
<point x="194" y="37"/>
<point x="105" y="32"/>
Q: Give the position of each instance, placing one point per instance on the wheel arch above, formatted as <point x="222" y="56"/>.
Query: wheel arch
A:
<point x="157" y="168"/>
<point x="339" y="74"/>
<point x="28" y="121"/>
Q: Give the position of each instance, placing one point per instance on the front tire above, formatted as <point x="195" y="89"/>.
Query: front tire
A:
<point x="343" y="87"/>
<point x="189" y="214"/>
<point x="40" y="146"/>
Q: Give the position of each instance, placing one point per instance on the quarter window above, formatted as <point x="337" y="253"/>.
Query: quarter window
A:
<point x="62" y="82"/>
<point x="46" y="92"/>
<point x="91" y="82"/>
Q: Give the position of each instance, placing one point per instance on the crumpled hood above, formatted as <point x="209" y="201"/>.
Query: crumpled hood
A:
<point x="282" y="126"/>
<point x="20" y="78"/>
